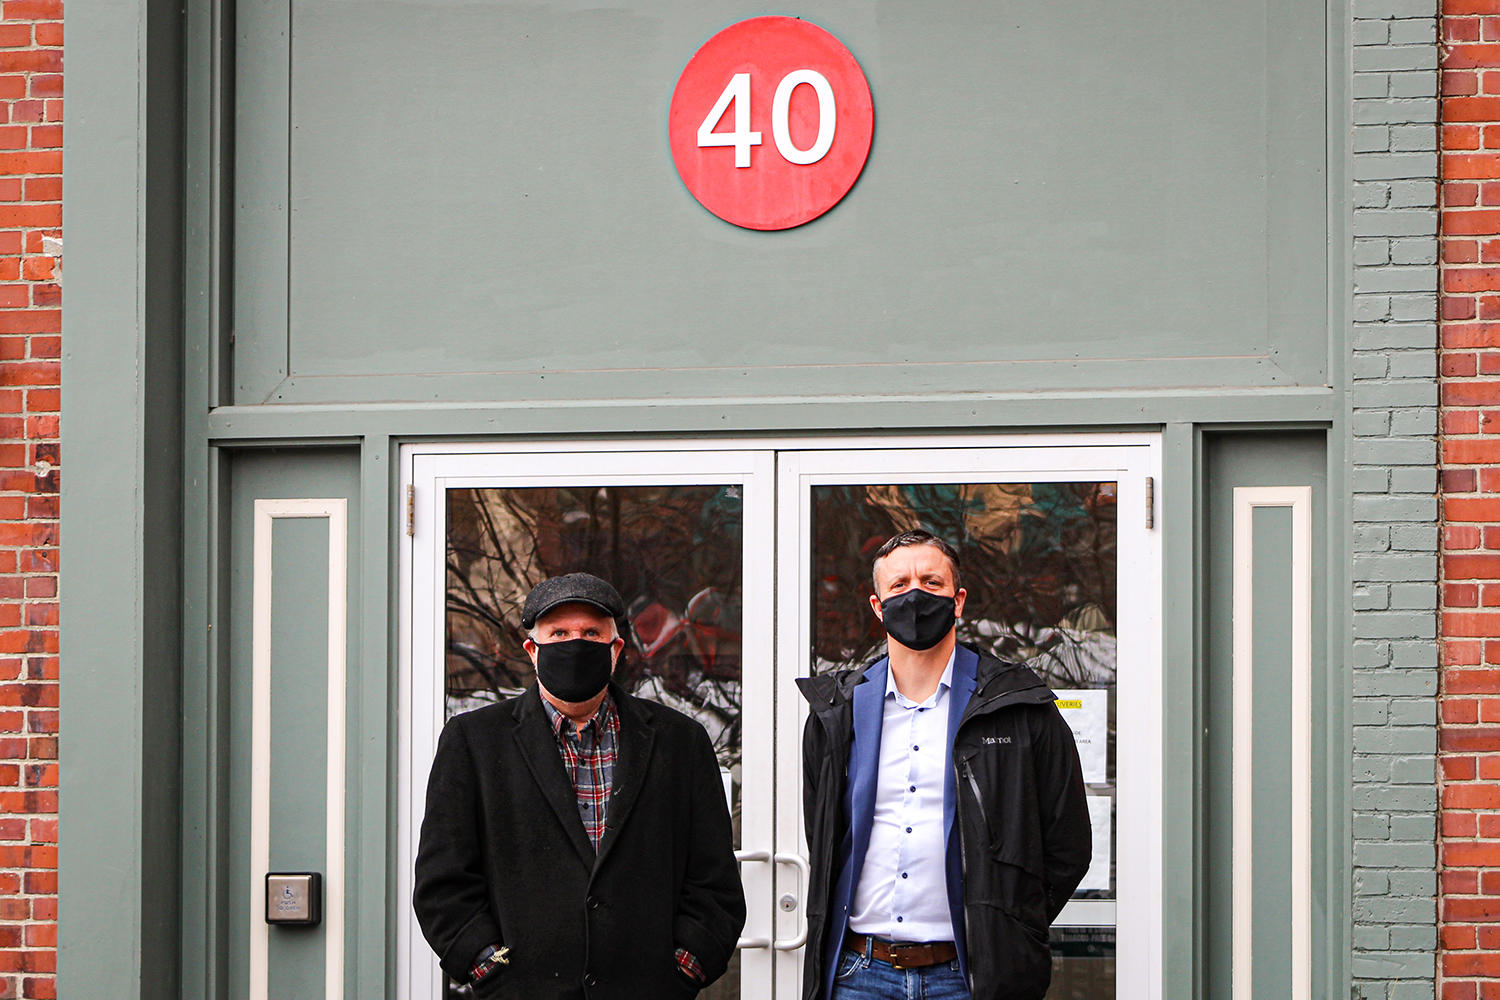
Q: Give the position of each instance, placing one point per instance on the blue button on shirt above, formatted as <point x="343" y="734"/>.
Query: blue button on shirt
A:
<point x="903" y="886"/>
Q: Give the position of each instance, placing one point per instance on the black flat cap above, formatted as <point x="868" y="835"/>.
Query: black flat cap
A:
<point x="579" y="588"/>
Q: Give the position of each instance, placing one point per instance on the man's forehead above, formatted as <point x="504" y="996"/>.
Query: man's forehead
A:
<point x="573" y="612"/>
<point x="914" y="558"/>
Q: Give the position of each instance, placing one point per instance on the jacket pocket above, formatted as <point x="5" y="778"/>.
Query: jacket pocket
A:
<point x="1020" y="894"/>
<point x="1007" y="956"/>
<point x="490" y="986"/>
<point x="688" y="986"/>
<point x="1010" y="846"/>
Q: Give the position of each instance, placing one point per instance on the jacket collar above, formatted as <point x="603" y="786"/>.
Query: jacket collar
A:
<point x="1000" y="684"/>
<point x="994" y="678"/>
<point x="829" y="692"/>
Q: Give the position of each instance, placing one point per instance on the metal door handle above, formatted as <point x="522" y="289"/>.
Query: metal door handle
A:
<point x="800" y="863"/>
<point x="743" y="856"/>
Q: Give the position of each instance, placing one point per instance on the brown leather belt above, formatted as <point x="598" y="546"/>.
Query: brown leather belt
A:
<point x="903" y="954"/>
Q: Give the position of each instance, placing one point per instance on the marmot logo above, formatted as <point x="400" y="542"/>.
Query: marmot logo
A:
<point x="995" y="739"/>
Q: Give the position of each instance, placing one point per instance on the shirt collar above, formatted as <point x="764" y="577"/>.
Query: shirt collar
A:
<point x="605" y="720"/>
<point x="945" y="682"/>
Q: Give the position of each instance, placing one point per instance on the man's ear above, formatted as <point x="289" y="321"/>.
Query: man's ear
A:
<point x="875" y="606"/>
<point x="615" y="649"/>
<point x="958" y="602"/>
<point x="530" y="646"/>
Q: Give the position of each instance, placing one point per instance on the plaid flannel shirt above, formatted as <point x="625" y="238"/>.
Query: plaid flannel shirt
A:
<point x="589" y="753"/>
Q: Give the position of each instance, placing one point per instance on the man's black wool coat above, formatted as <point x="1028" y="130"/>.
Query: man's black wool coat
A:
<point x="504" y="857"/>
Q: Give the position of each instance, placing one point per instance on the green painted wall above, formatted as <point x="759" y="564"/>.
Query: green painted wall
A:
<point x="412" y="231"/>
<point x="439" y="201"/>
<point x="1236" y="460"/>
<point x="299" y="704"/>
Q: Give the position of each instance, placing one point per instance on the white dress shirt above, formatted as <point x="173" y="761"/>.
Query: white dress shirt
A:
<point x="903" y="887"/>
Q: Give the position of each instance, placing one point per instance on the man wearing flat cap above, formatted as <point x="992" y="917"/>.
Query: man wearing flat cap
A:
<point x="577" y="842"/>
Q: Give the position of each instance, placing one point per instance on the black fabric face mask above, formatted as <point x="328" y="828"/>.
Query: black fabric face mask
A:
<point x="575" y="670"/>
<point x="918" y="619"/>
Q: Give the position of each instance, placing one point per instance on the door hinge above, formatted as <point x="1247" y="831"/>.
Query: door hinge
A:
<point x="1150" y="502"/>
<point x="411" y="511"/>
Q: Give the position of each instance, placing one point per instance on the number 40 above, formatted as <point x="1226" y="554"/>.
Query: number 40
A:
<point x="742" y="138"/>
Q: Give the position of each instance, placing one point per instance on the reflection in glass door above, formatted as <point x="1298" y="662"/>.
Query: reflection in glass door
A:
<point x="686" y="539"/>
<point x="744" y="569"/>
<point x="675" y="555"/>
<point x="1039" y="566"/>
<point x="1040" y="538"/>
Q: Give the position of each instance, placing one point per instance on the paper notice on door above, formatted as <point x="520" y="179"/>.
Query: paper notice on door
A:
<point x="1087" y="714"/>
<point x="1099" y="818"/>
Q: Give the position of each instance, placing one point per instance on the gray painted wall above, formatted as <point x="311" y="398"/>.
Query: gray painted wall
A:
<point x="1394" y="504"/>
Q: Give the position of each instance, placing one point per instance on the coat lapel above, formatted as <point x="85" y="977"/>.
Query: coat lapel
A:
<point x="538" y="744"/>
<point x="637" y="737"/>
<point x="965" y="679"/>
<point x="965" y="672"/>
<point x="864" y="760"/>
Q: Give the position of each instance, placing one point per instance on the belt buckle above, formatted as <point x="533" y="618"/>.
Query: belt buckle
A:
<point x="896" y="951"/>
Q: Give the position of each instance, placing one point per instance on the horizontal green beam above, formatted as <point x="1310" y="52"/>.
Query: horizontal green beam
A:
<point x="781" y="415"/>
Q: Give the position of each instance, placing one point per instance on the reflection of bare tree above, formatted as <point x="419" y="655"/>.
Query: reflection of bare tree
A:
<point x="1038" y="563"/>
<point x="672" y="552"/>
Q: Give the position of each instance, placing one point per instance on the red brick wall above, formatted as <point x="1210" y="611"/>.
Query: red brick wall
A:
<point x="31" y="92"/>
<point x="1469" y="856"/>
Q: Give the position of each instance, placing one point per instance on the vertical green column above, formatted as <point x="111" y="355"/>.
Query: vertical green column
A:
<point x="118" y="933"/>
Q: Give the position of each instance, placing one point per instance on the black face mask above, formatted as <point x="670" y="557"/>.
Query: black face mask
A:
<point x="575" y="670"/>
<point x="917" y="619"/>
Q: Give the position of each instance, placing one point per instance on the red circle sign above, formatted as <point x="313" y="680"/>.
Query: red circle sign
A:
<point x="771" y="123"/>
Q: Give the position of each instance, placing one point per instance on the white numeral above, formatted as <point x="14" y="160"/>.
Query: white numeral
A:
<point x="827" y="117"/>
<point x="741" y="138"/>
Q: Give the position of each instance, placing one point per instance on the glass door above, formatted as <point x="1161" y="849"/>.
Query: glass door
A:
<point x="1058" y="561"/>
<point x="686" y="538"/>
<point x="747" y="565"/>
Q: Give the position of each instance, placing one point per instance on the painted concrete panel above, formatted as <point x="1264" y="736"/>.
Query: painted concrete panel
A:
<point x="299" y="738"/>
<point x="1115" y="195"/>
<point x="298" y="709"/>
<point x="1236" y="460"/>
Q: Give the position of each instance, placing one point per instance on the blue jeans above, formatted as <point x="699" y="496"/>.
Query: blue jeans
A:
<point x="861" y="977"/>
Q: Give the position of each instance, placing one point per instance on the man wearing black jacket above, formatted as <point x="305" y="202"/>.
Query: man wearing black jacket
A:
<point x="577" y="842"/>
<point x="946" y="818"/>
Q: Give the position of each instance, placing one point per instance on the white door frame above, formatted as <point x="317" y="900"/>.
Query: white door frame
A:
<point x="1126" y="458"/>
<point x="1136" y="912"/>
<point x="421" y="718"/>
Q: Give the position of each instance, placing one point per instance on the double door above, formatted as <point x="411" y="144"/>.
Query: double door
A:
<point x="745" y="566"/>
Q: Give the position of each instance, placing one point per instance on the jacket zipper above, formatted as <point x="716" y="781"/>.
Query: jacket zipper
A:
<point x="978" y="799"/>
<point x="963" y="846"/>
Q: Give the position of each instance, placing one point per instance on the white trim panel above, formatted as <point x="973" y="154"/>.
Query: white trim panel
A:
<point x="335" y="511"/>
<point x="1246" y="499"/>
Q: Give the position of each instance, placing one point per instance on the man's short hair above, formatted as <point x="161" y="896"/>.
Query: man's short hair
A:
<point x="916" y="536"/>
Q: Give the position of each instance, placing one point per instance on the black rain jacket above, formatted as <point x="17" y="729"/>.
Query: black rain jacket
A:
<point x="504" y="858"/>
<point x="1021" y="812"/>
